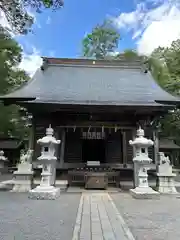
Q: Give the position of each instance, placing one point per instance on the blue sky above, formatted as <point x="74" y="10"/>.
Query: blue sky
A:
<point x="143" y="25"/>
<point x="61" y="32"/>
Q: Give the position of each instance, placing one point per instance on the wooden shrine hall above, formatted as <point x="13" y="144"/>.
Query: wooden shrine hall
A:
<point x="94" y="107"/>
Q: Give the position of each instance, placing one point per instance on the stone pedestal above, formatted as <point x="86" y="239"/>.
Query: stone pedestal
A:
<point x="141" y="162"/>
<point x="165" y="176"/>
<point x="166" y="184"/>
<point x="144" y="193"/>
<point x="45" y="191"/>
<point x="23" y="178"/>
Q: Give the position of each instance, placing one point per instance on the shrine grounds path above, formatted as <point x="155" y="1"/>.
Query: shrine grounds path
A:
<point x="113" y="216"/>
<point x="25" y="219"/>
<point x="150" y="219"/>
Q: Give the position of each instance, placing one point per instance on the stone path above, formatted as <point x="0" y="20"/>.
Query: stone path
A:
<point x="150" y="219"/>
<point x="99" y="219"/>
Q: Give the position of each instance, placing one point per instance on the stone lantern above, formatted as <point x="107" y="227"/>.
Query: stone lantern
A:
<point x="3" y="160"/>
<point x="141" y="165"/>
<point x="46" y="190"/>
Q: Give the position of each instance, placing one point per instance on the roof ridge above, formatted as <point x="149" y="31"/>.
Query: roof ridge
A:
<point x="123" y="62"/>
<point x="50" y="60"/>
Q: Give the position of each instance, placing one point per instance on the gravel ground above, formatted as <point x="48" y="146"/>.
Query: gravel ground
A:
<point x="150" y="219"/>
<point x="25" y="219"/>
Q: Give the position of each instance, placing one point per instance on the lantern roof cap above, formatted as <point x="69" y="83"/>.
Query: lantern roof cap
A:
<point x="140" y="140"/>
<point x="49" y="138"/>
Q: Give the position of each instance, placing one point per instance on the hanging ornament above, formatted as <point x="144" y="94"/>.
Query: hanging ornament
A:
<point x="102" y="129"/>
<point x="115" y="129"/>
<point x="89" y="129"/>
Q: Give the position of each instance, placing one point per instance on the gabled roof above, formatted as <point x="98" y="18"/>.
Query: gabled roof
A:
<point x="168" y="144"/>
<point x="92" y="82"/>
<point x="10" y="143"/>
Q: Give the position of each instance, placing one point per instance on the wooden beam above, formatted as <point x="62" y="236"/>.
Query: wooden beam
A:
<point x="63" y="139"/>
<point x="156" y="146"/>
<point x="124" y="143"/>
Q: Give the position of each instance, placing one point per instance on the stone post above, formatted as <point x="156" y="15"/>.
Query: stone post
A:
<point x="141" y="162"/>
<point x="165" y="176"/>
<point x="23" y="177"/>
<point x="46" y="190"/>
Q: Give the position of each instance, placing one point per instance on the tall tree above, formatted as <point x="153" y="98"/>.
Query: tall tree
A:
<point x="169" y="79"/>
<point x="11" y="77"/>
<point x="17" y="15"/>
<point x="163" y="64"/>
<point x="101" y="42"/>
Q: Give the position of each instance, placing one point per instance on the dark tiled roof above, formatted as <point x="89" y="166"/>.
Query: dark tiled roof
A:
<point x="92" y="83"/>
<point x="9" y="144"/>
<point x="168" y="144"/>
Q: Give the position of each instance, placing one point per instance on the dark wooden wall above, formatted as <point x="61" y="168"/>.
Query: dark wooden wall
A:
<point x="114" y="151"/>
<point x="73" y="143"/>
<point x="73" y="147"/>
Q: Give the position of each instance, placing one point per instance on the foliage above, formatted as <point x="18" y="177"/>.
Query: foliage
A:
<point x="17" y="15"/>
<point x="128" y="54"/>
<point x="40" y="4"/>
<point x="163" y="63"/>
<point x="101" y="42"/>
<point x="164" y="66"/>
<point x="169" y="79"/>
<point x="11" y="77"/>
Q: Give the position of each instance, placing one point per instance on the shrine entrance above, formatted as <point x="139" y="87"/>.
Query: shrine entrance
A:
<point x="95" y="172"/>
<point x="93" y="150"/>
<point x="93" y="146"/>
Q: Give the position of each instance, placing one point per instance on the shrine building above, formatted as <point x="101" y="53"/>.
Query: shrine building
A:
<point x="94" y="107"/>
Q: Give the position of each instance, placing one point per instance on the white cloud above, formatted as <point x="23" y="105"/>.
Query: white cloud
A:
<point x="152" y="27"/>
<point x="31" y="59"/>
<point x="31" y="62"/>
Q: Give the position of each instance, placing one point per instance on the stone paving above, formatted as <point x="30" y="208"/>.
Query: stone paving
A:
<point x="99" y="219"/>
<point x="150" y="219"/>
<point x="24" y="219"/>
<point x="92" y="215"/>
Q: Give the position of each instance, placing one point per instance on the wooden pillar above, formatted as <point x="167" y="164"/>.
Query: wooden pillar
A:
<point x="156" y="146"/>
<point x="63" y="139"/>
<point x="31" y="142"/>
<point x="124" y="141"/>
<point x="156" y="151"/>
<point x="135" y="182"/>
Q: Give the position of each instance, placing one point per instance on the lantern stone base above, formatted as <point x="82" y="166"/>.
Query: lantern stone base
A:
<point x="144" y="193"/>
<point x="44" y="193"/>
<point x="22" y="181"/>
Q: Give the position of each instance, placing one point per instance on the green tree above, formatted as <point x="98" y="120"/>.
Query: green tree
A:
<point x="128" y="54"/>
<point x="164" y="66"/>
<point x="11" y="77"/>
<point x="169" y="79"/>
<point x="101" y="42"/>
<point x="17" y="15"/>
